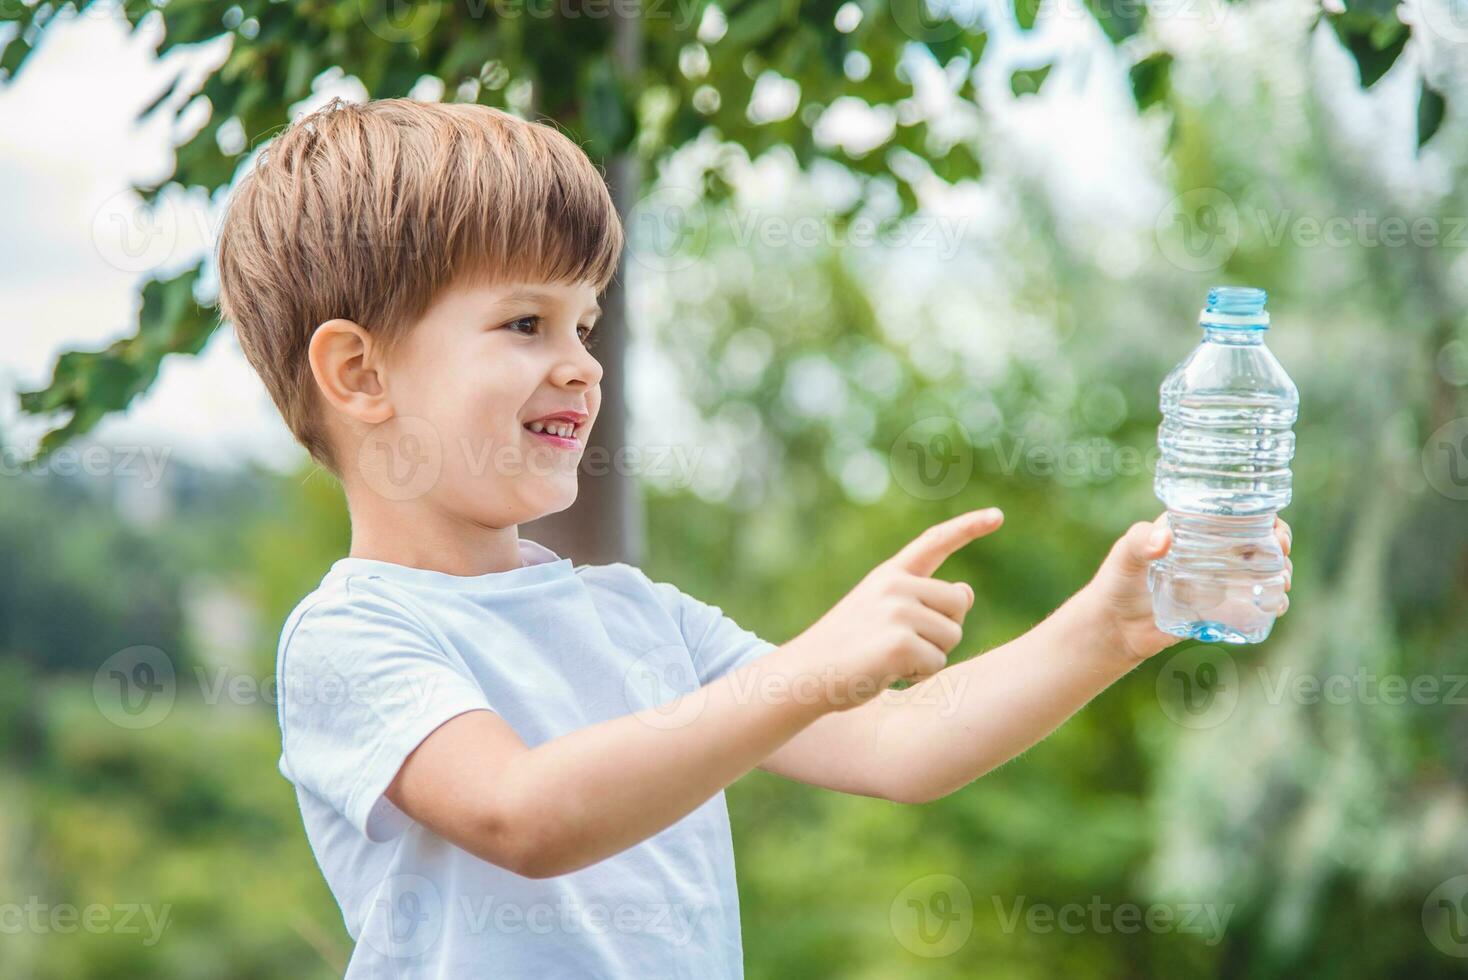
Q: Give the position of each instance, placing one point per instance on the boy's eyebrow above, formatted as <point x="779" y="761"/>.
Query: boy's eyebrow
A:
<point x="530" y="294"/>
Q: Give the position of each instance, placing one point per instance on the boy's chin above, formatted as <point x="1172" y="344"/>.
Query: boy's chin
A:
<point x="555" y="497"/>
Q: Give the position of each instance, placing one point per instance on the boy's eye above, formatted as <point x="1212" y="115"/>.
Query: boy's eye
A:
<point x="529" y="325"/>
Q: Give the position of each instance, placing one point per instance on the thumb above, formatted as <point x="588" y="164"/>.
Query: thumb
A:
<point x="925" y="553"/>
<point x="1143" y="543"/>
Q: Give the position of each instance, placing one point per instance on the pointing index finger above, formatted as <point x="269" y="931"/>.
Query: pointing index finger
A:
<point x="925" y="553"/>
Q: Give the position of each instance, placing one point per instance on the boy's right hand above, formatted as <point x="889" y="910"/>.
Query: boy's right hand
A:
<point x="899" y="622"/>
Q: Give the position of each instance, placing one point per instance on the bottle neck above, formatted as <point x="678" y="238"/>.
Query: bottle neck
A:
<point x="1234" y="336"/>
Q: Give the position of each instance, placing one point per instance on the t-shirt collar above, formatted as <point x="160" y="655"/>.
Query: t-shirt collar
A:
<point x="537" y="564"/>
<point x="535" y="553"/>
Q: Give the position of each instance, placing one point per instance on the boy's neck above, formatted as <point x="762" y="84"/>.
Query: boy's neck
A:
<point x="417" y="535"/>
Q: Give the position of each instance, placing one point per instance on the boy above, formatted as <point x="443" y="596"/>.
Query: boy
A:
<point x="509" y="766"/>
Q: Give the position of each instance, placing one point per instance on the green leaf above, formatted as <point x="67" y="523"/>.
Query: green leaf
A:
<point x="1025" y="11"/>
<point x="959" y="163"/>
<point x="1431" y="106"/>
<point x="1027" y="81"/>
<point x="14" y="56"/>
<point x="1374" y="40"/>
<point x="1151" y="79"/>
<point x="753" y="22"/>
<point x="1119" y="20"/>
<point x="90" y="384"/>
<point x="1376" y="9"/>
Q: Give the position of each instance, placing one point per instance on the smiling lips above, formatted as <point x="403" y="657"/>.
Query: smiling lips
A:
<point x="561" y="429"/>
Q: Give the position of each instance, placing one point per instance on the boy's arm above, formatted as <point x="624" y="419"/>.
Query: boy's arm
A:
<point x="923" y="742"/>
<point x="591" y="793"/>
<point x="927" y="740"/>
<point x="580" y="798"/>
<point x="1002" y="702"/>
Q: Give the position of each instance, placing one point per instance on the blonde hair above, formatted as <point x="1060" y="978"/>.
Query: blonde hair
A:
<point x="367" y="211"/>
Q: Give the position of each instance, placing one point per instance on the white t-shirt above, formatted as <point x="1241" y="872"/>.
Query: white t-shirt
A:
<point x="379" y="655"/>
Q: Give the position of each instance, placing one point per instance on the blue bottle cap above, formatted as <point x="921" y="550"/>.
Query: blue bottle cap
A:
<point x="1235" y="307"/>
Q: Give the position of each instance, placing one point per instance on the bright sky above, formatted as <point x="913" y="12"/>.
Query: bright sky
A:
<point x="69" y="274"/>
<point x="70" y="279"/>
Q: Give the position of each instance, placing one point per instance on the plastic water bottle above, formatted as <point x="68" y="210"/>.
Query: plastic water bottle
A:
<point x="1224" y="470"/>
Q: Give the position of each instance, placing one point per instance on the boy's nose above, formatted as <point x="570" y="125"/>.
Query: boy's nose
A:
<point x="579" y="369"/>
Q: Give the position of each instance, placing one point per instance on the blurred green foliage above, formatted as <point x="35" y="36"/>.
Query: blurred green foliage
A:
<point x="1323" y="827"/>
<point x="633" y="79"/>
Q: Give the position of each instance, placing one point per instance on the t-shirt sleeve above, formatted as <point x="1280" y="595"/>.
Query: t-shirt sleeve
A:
<point x="716" y="643"/>
<point x="362" y="683"/>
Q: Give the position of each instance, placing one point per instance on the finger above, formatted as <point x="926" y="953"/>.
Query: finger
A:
<point x="929" y="659"/>
<point x="936" y="628"/>
<point x="1143" y="543"/>
<point x="931" y="549"/>
<point x="1289" y="574"/>
<point x="1285" y="534"/>
<point x="952" y="599"/>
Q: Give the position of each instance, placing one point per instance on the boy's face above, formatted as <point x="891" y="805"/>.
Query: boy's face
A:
<point x="482" y="365"/>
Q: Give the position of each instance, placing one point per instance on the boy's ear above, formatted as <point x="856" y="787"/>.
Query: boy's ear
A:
<point x="345" y="362"/>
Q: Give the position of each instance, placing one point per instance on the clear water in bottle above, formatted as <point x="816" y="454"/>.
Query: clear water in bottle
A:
<point x="1224" y="470"/>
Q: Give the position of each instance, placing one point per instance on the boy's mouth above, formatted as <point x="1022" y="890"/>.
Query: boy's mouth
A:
<point x="563" y="429"/>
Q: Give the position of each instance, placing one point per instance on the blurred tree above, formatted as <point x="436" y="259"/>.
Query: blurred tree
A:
<point x="1321" y="825"/>
<point x="633" y="80"/>
<point x="60" y="604"/>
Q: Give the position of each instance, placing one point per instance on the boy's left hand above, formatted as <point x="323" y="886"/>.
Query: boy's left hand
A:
<point x="1121" y="585"/>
